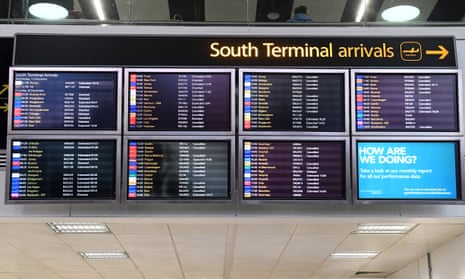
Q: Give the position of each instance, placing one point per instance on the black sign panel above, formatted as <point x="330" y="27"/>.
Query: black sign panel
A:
<point x="6" y="56"/>
<point x="228" y="51"/>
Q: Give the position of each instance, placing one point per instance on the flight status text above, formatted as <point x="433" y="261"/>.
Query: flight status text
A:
<point x="406" y="102"/>
<point x="65" y="100"/>
<point x="293" y="102"/>
<point x="178" y="169"/>
<point x="179" y="101"/>
<point x="61" y="170"/>
<point x="293" y="170"/>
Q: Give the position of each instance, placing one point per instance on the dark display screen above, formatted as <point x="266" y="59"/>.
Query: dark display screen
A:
<point x="62" y="169"/>
<point x="294" y="170"/>
<point x="55" y="100"/>
<point x="178" y="169"/>
<point x="396" y="170"/>
<point x="179" y="101"/>
<point x="403" y="102"/>
<point x="304" y="102"/>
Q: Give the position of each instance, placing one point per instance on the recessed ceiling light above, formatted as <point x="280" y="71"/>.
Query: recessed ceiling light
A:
<point x="104" y="255"/>
<point x="273" y="15"/>
<point x="376" y="228"/>
<point x="353" y="255"/>
<point x="50" y="11"/>
<point x="400" y="13"/>
<point x="78" y="227"/>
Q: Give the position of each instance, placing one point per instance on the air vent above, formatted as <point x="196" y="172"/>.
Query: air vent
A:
<point x="371" y="274"/>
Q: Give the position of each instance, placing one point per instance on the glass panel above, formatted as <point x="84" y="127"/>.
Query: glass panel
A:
<point x="242" y="12"/>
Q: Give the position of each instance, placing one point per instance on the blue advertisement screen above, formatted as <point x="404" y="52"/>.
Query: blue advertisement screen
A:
<point x="408" y="170"/>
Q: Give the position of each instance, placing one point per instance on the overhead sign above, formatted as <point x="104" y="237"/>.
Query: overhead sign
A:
<point x="235" y="51"/>
<point x="6" y="54"/>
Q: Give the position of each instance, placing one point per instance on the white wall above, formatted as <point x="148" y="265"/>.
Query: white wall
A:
<point x="447" y="262"/>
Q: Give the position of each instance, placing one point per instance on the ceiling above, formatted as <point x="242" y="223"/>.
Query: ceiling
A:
<point x="213" y="247"/>
<point x="242" y="11"/>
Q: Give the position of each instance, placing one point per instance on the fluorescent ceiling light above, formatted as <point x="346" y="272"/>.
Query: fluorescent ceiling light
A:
<point x="104" y="255"/>
<point x="79" y="227"/>
<point x="375" y="228"/>
<point x="400" y="13"/>
<point x="99" y="9"/>
<point x="361" y="10"/>
<point x="49" y="11"/>
<point x="353" y="255"/>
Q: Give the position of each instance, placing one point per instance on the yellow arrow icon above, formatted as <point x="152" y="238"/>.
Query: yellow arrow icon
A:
<point x="4" y="107"/>
<point x="4" y="89"/>
<point x="442" y="51"/>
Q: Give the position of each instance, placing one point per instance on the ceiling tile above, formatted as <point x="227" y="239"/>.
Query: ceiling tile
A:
<point x="12" y="260"/>
<point x="198" y="229"/>
<point x="112" y="265"/>
<point x="135" y="228"/>
<point x="91" y="242"/>
<point x="151" y="252"/>
<point x="339" y="268"/>
<point x="258" y="252"/>
<point x="307" y="252"/>
<point x="8" y="276"/>
<point x="25" y="228"/>
<point x="368" y="242"/>
<point x="122" y="275"/>
<point x="163" y="275"/>
<point x="38" y="275"/>
<point x="249" y="274"/>
<point x="325" y="229"/>
<point x="80" y="275"/>
<point x="203" y="275"/>
<point x="289" y="274"/>
<point x="201" y="252"/>
<point x="261" y="229"/>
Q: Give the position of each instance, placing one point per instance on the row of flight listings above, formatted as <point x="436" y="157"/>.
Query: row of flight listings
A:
<point x="145" y="135"/>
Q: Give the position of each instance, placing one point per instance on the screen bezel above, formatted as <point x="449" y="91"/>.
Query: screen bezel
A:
<point x="459" y="105"/>
<point x="347" y="172"/>
<point x="232" y="115"/>
<point x="231" y="168"/>
<point x="117" y="169"/>
<point x="458" y="161"/>
<point x="67" y="131"/>
<point x="344" y="72"/>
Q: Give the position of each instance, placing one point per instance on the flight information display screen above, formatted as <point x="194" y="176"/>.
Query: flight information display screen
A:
<point x="403" y="102"/>
<point x="65" y="99"/>
<point x="178" y="170"/>
<point x="293" y="101"/>
<point x="181" y="100"/>
<point x="406" y="170"/>
<point x="294" y="170"/>
<point x="67" y="170"/>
